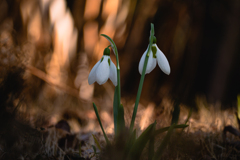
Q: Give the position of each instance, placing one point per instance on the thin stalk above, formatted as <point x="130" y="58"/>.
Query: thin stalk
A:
<point x="142" y="79"/>
<point x="114" y="47"/>
<point x="96" y="112"/>
<point x="117" y="93"/>
<point x="118" y="86"/>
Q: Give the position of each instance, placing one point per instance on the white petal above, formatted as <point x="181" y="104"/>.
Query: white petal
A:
<point x="141" y="63"/>
<point x="113" y="73"/>
<point x="92" y="74"/>
<point x="103" y="71"/>
<point x="151" y="63"/>
<point x="162" y="61"/>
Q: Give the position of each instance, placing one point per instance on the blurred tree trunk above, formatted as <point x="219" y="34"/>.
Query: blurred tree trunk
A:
<point x="227" y="49"/>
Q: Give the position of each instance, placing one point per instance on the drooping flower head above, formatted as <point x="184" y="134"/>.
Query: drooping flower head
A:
<point x="103" y="70"/>
<point x="155" y="56"/>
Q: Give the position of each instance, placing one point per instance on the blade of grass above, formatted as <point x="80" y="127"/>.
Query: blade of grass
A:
<point x="97" y="143"/>
<point x="142" y="79"/>
<point x="94" y="149"/>
<point x="189" y="115"/>
<point x="159" y="131"/>
<point x="140" y="143"/>
<point x="130" y="143"/>
<point x="238" y="102"/>
<point x="100" y="123"/>
<point x="151" y="144"/>
<point x="120" y="119"/>
<point x="164" y="143"/>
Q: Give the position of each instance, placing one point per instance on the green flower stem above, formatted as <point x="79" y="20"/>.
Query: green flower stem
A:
<point x="142" y="78"/>
<point x="118" y="72"/>
<point x="117" y="94"/>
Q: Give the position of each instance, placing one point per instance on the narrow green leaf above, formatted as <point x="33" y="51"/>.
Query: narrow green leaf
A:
<point x="94" y="149"/>
<point x="142" y="79"/>
<point x="164" y="143"/>
<point x="130" y="143"/>
<point x="176" y="112"/>
<point x="238" y="105"/>
<point x="159" y="131"/>
<point x="189" y="115"/>
<point x="140" y="143"/>
<point x="100" y="123"/>
<point x="120" y="120"/>
<point x="96" y="142"/>
<point x="115" y="109"/>
<point x="151" y="144"/>
<point x="132" y="138"/>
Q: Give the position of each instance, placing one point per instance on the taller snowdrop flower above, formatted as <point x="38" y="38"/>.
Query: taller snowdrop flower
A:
<point x="103" y="70"/>
<point x="155" y="56"/>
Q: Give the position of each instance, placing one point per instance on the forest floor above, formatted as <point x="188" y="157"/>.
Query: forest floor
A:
<point x="48" y="132"/>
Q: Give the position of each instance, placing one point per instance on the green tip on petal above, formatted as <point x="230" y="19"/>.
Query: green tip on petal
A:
<point x="154" y="50"/>
<point x="102" y="59"/>
<point x="154" y="40"/>
<point x="106" y="52"/>
<point x="109" y="61"/>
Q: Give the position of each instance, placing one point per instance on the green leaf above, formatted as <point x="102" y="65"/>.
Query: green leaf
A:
<point x="120" y="120"/>
<point x="164" y="143"/>
<point x="96" y="142"/>
<point x="159" y="131"/>
<point x="189" y="115"/>
<point x="176" y="112"/>
<point x="130" y="142"/>
<point x="140" y="143"/>
<point x="94" y="149"/>
<point x="132" y="138"/>
<point x="151" y="144"/>
<point x="100" y="123"/>
<point x="238" y="102"/>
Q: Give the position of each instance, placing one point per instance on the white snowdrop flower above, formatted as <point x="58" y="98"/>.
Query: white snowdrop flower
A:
<point x="103" y="70"/>
<point x="155" y="56"/>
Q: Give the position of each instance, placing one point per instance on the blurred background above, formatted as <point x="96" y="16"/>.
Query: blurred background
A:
<point x="57" y="42"/>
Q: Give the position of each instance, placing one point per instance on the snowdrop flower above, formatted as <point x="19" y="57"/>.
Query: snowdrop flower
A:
<point x="103" y="70"/>
<point x="155" y="56"/>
